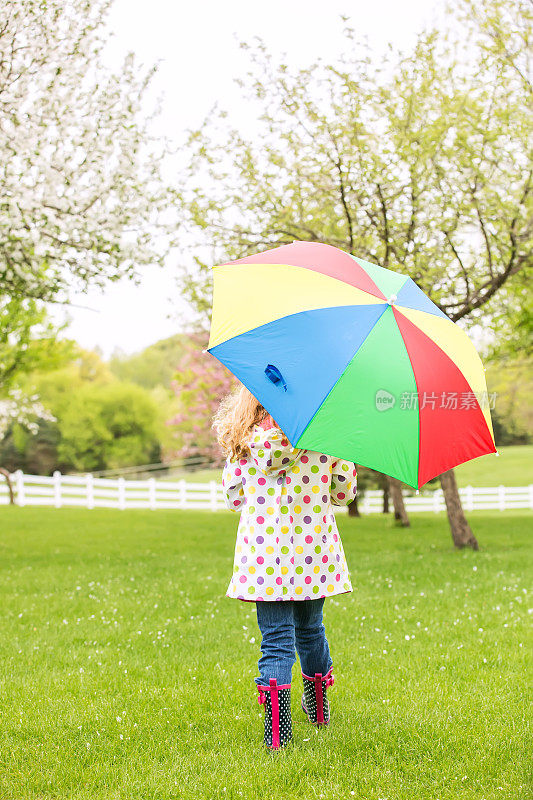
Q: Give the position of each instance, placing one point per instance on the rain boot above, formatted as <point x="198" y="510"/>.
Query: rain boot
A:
<point x="314" y="699"/>
<point x="278" y="722"/>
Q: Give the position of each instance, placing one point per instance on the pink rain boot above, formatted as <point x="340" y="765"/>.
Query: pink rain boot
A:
<point x="278" y="722"/>
<point x="314" y="699"/>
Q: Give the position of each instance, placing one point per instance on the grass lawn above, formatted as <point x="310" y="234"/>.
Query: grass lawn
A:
<point x="126" y="673"/>
<point x="513" y="467"/>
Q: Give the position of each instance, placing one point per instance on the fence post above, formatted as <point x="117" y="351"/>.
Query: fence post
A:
<point x="57" y="488"/>
<point x="501" y="497"/>
<point x="213" y="494"/>
<point x="469" y="499"/>
<point x="436" y="501"/>
<point x="151" y="492"/>
<point x="89" y="488"/>
<point x="183" y="493"/>
<point x="19" y="482"/>
<point x="531" y="495"/>
<point x="121" y="492"/>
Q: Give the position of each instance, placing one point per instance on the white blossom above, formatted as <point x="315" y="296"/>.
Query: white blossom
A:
<point x="82" y="199"/>
<point x="16" y="406"/>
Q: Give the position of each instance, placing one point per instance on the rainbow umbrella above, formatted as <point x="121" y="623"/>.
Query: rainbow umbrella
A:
<point x="352" y="360"/>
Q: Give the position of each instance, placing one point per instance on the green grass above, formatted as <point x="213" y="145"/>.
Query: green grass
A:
<point x="126" y="673"/>
<point x="513" y="467"/>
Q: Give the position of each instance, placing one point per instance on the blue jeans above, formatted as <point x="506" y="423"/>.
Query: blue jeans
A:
<point x="287" y="625"/>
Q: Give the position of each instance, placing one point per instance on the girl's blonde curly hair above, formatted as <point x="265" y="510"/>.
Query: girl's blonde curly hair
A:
<point x="234" y="419"/>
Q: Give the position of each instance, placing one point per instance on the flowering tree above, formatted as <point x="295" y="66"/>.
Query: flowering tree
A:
<point x="81" y="189"/>
<point x="82" y="197"/>
<point x="200" y="384"/>
<point x="24" y="409"/>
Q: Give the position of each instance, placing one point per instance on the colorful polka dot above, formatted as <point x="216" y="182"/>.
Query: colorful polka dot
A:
<point x="282" y="533"/>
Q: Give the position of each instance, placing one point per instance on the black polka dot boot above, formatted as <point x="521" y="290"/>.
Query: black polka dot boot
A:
<point x="315" y="703"/>
<point x="278" y="722"/>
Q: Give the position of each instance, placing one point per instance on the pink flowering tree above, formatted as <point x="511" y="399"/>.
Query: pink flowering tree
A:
<point x="201" y="382"/>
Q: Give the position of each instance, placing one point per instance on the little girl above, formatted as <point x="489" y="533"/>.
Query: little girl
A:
<point x="288" y="554"/>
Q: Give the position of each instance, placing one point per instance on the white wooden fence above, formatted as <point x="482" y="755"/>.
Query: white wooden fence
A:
<point x="90" y="492"/>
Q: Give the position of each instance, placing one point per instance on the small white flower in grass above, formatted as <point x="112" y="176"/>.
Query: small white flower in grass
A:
<point x="252" y="640"/>
<point x="407" y="637"/>
<point x="474" y="569"/>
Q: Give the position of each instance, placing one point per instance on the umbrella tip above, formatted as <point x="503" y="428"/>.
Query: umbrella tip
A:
<point x="497" y="453"/>
<point x="204" y="351"/>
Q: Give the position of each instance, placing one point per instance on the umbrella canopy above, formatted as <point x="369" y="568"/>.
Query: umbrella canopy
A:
<point x="352" y="360"/>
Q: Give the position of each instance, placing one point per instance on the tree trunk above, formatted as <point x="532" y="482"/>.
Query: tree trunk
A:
<point x="385" y="497"/>
<point x="400" y="514"/>
<point x="5" y="473"/>
<point x="353" y="509"/>
<point x="461" y="532"/>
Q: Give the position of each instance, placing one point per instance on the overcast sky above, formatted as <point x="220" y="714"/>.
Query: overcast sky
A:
<point x="197" y="45"/>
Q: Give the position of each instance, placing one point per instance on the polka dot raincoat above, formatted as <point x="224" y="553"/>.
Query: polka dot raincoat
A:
<point x="288" y="546"/>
